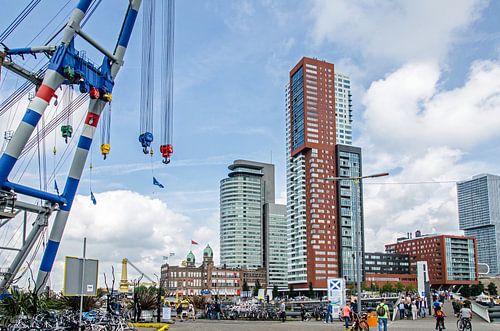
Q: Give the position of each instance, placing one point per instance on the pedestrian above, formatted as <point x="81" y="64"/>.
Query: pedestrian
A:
<point x="192" y="312"/>
<point x="401" y="309"/>
<point x="217" y="310"/>
<point x="302" y="312"/>
<point x="423" y="307"/>
<point x="383" y="315"/>
<point x="178" y="310"/>
<point x="354" y="306"/>
<point x="414" y="310"/>
<point x="346" y="315"/>
<point x="283" y="311"/>
<point x="329" y="312"/>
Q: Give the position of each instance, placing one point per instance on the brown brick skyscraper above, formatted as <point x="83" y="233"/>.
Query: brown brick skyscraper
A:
<point x="312" y="204"/>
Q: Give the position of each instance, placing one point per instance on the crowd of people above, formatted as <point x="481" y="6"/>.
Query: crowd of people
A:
<point x="412" y="306"/>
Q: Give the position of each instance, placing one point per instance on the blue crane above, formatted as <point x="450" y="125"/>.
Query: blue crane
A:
<point x="67" y="66"/>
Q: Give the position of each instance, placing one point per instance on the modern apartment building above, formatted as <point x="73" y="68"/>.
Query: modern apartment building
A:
<point x="343" y="109"/>
<point x="479" y="216"/>
<point x="313" y="250"/>
<point x="275" y="245"/>
<point x="350" y="211"/>
<point x="252" y="225"/>
<point x="452" y="260"/>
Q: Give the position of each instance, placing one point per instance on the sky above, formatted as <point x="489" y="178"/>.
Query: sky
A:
<point x="426" y="95"/>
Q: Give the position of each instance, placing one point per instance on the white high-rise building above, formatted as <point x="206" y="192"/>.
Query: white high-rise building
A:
<point x="343" y="109"/>
<point x="252" y="226"/>
<point x="275" y="245"/>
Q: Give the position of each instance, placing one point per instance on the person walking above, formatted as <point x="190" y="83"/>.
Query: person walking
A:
<point x="346" y="315"/>
<point x="302" y="312"/>
<point x="283" y="311"/>
<point x="423" y="307"/>
<point x="191" y="311"/>
<point x="329" y="312"/>
<point x="414" y="310"/>
<point x="401" y="309"/>
<point x="383" y="315"/>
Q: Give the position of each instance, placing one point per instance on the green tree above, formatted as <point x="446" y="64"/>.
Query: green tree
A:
<point x="492" y="289"/>
<point x="276" y="293"/>
<point x="374" y="287"/>
<point x="311" y="290"/>
<point x="147" y="296"/>
<point x="387" y="288"/>
<point x="465" y="291"/>
<point x="411" y="288"/>
<point x="476" y="290"/>
<point x="256" y="288"/>
<point x="399" y="287"/>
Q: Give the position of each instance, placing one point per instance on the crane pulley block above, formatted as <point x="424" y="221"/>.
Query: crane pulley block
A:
<point x="105" y="148"/>
<point x="146" y="139"/>
<point x="166" y="151"/>
<point x="67" y="132"/>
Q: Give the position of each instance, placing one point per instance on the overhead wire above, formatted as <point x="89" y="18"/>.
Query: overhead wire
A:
<point x="18" y="20"/>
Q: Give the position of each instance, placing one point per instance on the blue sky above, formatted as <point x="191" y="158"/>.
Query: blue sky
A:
<point x="425" y="107"/>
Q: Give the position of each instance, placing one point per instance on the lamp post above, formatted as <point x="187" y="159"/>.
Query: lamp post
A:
<point x="357" y="180"/>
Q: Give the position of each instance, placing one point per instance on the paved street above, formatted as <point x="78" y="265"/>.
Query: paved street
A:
<point x="425" y="324"/>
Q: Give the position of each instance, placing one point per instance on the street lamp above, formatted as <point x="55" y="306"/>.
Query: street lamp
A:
<point x="357" y="180"/>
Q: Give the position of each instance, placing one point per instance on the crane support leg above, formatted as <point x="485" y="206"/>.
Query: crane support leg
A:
<point x="96" y="107"/>
<point x="75" y="173"/>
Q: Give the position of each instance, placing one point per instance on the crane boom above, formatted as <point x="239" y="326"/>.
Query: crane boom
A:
<point x="140" y="271"/>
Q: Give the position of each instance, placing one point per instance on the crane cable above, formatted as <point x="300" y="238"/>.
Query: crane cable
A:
<point x="18" y="20"/>
<point x="167" y="79"/>
<point x="147" y="76"/>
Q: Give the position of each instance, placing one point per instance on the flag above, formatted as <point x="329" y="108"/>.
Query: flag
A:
<point x="55" y="187"/>
<point x="193" y="242"/>
<point x="92" y="197"/>
<point x="157" y="183"/>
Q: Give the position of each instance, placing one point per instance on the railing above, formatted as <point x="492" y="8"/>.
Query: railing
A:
<point x="481" y="311"/>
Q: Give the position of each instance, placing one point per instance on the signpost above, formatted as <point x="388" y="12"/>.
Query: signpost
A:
<point x="336" y="294"/>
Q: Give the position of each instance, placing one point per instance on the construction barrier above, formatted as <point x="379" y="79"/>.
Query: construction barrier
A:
<point x="372" y="319"/>
<point x="158" y="326"/>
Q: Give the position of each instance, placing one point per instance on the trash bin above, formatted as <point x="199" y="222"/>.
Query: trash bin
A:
<point x="372" y="319"/>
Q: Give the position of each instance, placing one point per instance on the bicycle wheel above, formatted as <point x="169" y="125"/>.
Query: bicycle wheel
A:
<point x="467" y="326"/>
<point x="460" y="326"/>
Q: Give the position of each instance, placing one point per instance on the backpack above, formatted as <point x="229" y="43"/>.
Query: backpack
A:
<point x="439" y="313"/>
<point x="380" y="310"/>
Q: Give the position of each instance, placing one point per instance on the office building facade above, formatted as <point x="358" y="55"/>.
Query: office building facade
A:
<point x="452" y="260"/>
<point x="479" y="216"/>
<point x="350" y="211"/>
<point x="311" y="198"/>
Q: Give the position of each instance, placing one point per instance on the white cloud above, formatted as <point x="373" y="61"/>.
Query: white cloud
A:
<point x="425" y="132"/>
<point x="128" y="224"/>
<point x="395" y="30"/>
<point x="415" y="113"/>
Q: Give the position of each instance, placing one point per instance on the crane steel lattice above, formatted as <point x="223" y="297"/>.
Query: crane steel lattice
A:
<point x="66" y="66"/>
